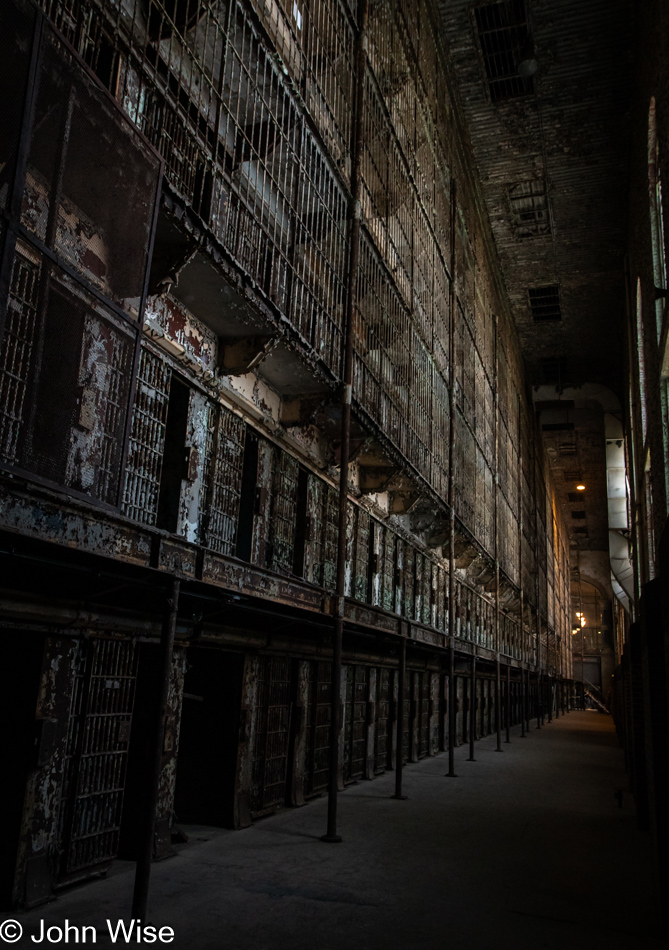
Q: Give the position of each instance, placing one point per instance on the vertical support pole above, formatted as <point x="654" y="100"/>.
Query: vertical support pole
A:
<point x="549" y="696"/>
<point x="508" y="702"/>
<point x="452" y="711"/>
<point x="472" y="710"/>
<point x="523" y="701"/>
<point x="498" y="704"/>
<point x="331" y="836"/>
<point x="399" y="718"/>
<point x="140" y="894"/>
<point x="528" y="699"/>
<point x="452" y="690"/>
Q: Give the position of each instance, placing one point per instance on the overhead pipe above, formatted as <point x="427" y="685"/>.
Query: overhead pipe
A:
<point x="336" y="711"/>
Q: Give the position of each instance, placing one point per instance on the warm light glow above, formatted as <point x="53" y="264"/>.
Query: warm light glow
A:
<point x="580" y="487"/>
<point x="583" y="621"/>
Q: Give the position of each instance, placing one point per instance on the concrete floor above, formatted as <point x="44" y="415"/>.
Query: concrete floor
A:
<point x="525" y="849"/>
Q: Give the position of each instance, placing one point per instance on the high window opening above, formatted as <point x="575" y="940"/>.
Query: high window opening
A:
<point x="504" y="37"/>
<point x="545" y="303"/>
<point x="529" y="208"/>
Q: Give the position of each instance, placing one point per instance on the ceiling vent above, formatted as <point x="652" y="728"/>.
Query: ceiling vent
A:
<point x="529" y="209"/>
<point x="545" y="303"/>
<point x="581" y="532"/>
<point x="565" y="449"/>
<point x="504" y="38"/>
<point x="578" y="515"/>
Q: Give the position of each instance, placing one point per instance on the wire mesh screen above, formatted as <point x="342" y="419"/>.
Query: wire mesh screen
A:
<point x="76" y="281"/>
<point x="91" y="184"/>
<point x="65" y="370"/>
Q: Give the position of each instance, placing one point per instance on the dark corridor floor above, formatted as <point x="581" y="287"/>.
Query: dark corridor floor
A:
<point x="525" y="849"/>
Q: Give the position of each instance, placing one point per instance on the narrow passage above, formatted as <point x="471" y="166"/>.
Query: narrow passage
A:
<point x="525" y="849"/>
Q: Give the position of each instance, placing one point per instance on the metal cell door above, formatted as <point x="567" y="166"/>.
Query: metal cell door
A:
<point x="272" y="733"/>
<point x="96" y="757"/>
<point x="355" y="722"/>
<point x="382" y="726"/>
<point x="318" y="728"/>
<point x="422" y="710"/>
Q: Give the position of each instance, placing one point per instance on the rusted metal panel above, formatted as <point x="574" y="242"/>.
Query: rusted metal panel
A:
<point x="370" y="723"/>
<point x="222" y="480"/>
<point x="165" y="315"/>
<point x="38" y="842"/>
<point x="408" y="580"/>
<point x="388" y="554"/>
<point x="367" y="617"/>
<point x="383" y="719"/>
<point x="233" y="576"/>
<point x="433" y="712"/>
<point x="248" y="725"/>
<point x="177" y="558"/>
<point x="362" y="541"/>
<point x="284" y="499"/>
<point x="82" y="530"/>
<point x="94" y="768"/>
<point x="331" y="526"/>
<point x="313" y="554"/>
<point x="263" y="503"/>
<point x="165" y="804"/>
<point x="355" y="722"/>
<point x="300" y="760"/>
<point x="318" y="728"/>
<point x="147" y="439"/>
<point x="195" y="450"/>
<point x="271" y="734"/>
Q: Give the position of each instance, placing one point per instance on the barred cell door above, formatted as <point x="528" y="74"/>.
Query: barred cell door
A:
<point x="272" y="735"/>
<point x="383" y="725"/>
<point x="96" y="757"/>
<point x="355" y="722"/>
<point x="318" y="728"/>
<point x="421" y="696"/>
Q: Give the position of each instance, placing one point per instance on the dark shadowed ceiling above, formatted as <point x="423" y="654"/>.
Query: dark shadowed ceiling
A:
<point x="545" y="87"/>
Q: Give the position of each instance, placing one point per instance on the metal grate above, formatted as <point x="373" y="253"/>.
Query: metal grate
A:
<point x="382" y="731"/>
<point x="355" y="722"/>
<point x="17" y="349"/>
<point x="545" y="303"/>
<point x="503" y="34"/>
<point x="529" y="208"/>
<point x="272" y="727"/>
<point x="318" y="728"/>
<point x="96" y="756"/>
<point x="222" y="480"/>
<point x="147" y="439"/>
<point x="284" y="502"/>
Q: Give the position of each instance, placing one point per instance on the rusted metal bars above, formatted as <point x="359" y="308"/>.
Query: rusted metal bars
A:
<point x="452" y="689"/>
<point x="331" y="835"/>
<point x="498" y="701"/>
<point x="399" y="718"/>
<point x="472" y="709"/>
<point x="508" y="702"/>
<point x="154" y="765"/>
<point x="523" y="701"/>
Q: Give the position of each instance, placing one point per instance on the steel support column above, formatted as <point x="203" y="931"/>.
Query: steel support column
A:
<point x="154" y="764"/>
<point x="331" y="835"/>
